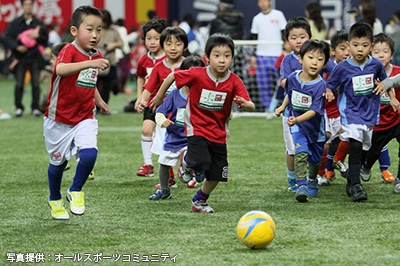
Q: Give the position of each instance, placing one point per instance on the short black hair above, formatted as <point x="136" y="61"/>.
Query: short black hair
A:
<point x="360" y="30"/>
<point x="384" y="38"/>
<point x="192" y="61"/>
<point x="339" y="37"/>
<point x="80" y="12"/>
<point x="157" y="24"/>
<point x="22" y="1"/>
<point x="219" y="39"/>
<point x="296" y="23"/>
<point x="176" y="31"/>
<point x="57" y="48"/>
<point x="315" y="45"/>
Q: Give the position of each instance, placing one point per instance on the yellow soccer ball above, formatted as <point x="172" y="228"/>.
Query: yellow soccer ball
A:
<point x="256" y="229"/>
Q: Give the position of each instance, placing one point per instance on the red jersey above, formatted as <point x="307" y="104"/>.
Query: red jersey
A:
<point x="160" y="71"/>
<point x="71" y="98"/>
<point x="146" y="64"/>
<point x="388" y="117"/>
<point x="209" y="102"/>
<point x="332" y="111"/>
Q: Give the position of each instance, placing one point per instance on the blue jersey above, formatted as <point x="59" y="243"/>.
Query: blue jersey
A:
<point x="173" y="107"/>
<point x="305" y="97"/>
<point x="356" y="102"/>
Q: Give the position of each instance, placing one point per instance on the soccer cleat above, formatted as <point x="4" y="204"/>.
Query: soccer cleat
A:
<point x="292" y="185"/>
<point x="18" y="112"/>
<point x="67" y="167"/>
<point x="330" y="175"/>
<point x="36" y="113"/>
<point x="171" y="184"/>
<point x="323" y="180"/>
<point x="387" y="176"/>
<point x="91" y="175"/>
<point x="312" y="188"/>
<point x="76" y="202"/>
<point x="201" y="206"/>
<point x="365" y="174"/>
<point x="161" y="194"/>
<point x="58" y="212"/>
<point x="302" y="194"/>
<point x="357" y="193"/>
<point x="397" y="185"/>
<point x="342" y="167"/>
<point x="192" y="183"/>
<point x="145" y="170"/>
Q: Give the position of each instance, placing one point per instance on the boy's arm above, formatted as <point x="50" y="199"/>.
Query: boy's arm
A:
<point x="67" y="69"/>
<point x="301" y="118"/>
<point x="158" y="99"/>
<point x="101" y="103"/>
<point x="139" y="91"/>
<point x="280" y="109"/>
<point x="391" y="82"/>
<point x="248" y="106"/>
<point x="393" y="100"/>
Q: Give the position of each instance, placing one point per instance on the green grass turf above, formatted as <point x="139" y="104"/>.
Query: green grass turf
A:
<point x="121" y="220"/>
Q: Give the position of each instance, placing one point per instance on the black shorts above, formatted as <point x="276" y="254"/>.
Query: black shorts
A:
<point x="207" y="156"/>
<point x="148" y="114"/>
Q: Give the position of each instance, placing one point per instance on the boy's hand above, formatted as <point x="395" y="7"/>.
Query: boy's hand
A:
<point x="292" y="121"/>
<point x="379" y="89"/>
<point x="240" y="101"/>
<point x="141" y="106"/>
<point x="137" y="104"/>
<point x="104" y="109"/>
<point x="279" y="111"/>
<point x="100" y="63"/>
<point x="167" y="123"/>
<point x="329" y="95"/>
<point x="395" y="105"/>
<point x="155" y="102"/>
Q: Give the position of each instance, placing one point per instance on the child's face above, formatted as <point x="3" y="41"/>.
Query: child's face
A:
<point x="360" y="49"/>
<point x="341" y="51"/>
<point x="220" y="60"/>
<point x="264" y="5"/>
<point x="382" y="51"/>
<point x="296" y="38"/>
<point x="313" y="62"/>
<point x="53" y="59"/>
<point x="152" y="41"/>
<point x="173" y="48"/>
<point x="88" y="34"/>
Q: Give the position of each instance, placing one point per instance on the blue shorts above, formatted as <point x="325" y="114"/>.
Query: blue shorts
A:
<point x="314" y="150"/>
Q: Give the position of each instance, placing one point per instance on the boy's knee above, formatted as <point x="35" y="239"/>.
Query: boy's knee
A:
<point x="200" y="164"/>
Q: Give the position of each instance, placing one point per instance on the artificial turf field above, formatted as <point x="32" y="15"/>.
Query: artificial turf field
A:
<point x="122" y="224"/>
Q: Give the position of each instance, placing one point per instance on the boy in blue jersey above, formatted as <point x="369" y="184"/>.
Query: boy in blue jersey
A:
<point x="358" y="101"/>
<point x="175" y="140"/>
<point x="305" y="89"/>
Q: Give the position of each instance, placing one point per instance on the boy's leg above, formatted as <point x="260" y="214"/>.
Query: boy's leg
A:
<point x="314" y="161"/>
<point x="164" y="192"/>
<point x="384" y="163"/>
<point x="290" y="151"/>
<point x="199" y="202"/>
<point x="55" y="173"/>
<point x="353" y="186"/>
<point x="148" y="126"/>
<point x="339" y="159"/>
<point x="300" y="166"/>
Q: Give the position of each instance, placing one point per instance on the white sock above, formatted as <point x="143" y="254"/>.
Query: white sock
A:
<point x="146" y="144"/>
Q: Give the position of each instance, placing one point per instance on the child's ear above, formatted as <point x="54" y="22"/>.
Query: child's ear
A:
<point x="73" y="30"/>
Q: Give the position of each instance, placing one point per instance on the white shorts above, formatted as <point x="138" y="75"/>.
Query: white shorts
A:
<point x="362" y="133"/>
<point x="158" y="140"/>
<point x="64" y="141"/>
<point x="287" y="136"/>
<point x="333" y="126"/>
<point x="170" y="158"/>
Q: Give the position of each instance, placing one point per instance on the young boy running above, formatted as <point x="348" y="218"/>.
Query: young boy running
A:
<point x="358" y="101"/>
<point x="70" y="126"/>
<point x="208" y="109"/>
<point x="304" y="90"/>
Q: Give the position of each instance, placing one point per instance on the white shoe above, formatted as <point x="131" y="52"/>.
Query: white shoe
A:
<point x="18" y="112"/>
<point x="323" y="181"/>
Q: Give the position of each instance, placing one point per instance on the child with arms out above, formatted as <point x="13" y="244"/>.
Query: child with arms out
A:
<point x="175" y="140"/>
<point x="358" y="101"/>
<point x="305" y="89"/>
<point x="151" y="36"/>
<point x="208" y="109"/>
<point x="70" y="127"/>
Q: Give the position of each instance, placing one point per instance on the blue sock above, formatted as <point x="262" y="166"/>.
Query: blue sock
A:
<point x="200" y="195"/>
<point x="291" y="175"/>
<point x="54" y="175"/>
<point x="384" y="159"/>
<point x="87" y="159"/>
<point x="329" y="160"/>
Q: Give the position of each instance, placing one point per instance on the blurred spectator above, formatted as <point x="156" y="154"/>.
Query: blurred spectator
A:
<point x="228" y="21"/>
<point x="110" y="41"/>
<point x="54" y="34"/>
<point x="396" y="37"/>
<point x="268" y="25"/>
<point x="196" y="43"/>
<point x="368" y="15"/>
<point x="66" y="35"/>
<point x="123" y="54"/>
<point x="314" y="17"/>
<point x="28" y="58"/>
